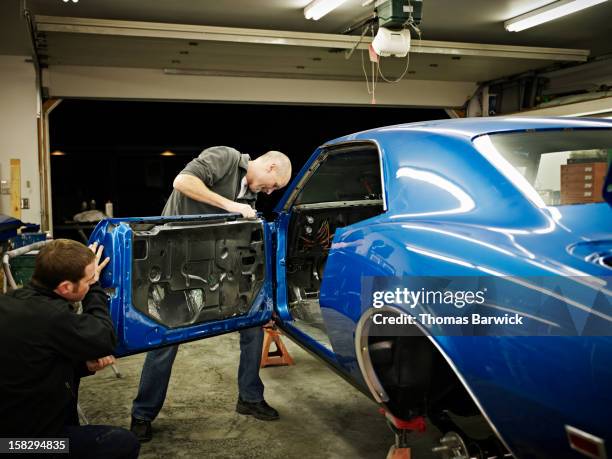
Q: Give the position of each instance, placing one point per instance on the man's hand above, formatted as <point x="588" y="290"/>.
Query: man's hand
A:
<point x="97" y="365"/>
<point x="244" y="209"/>
<point x="98" y="249"/>
<point x="195" y="189"/>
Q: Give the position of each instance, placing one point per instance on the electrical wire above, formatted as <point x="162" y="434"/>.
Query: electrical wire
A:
<point x="372" y="91"/>
<point x="322" y="238"/>
<point x="399" y="78"/>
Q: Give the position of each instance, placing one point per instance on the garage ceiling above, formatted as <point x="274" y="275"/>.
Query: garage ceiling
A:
<point x="445" y="61"/>
<point x="475" y="22"/>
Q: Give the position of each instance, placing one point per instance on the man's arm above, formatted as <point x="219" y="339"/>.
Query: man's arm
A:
<point x="195" y="189"/>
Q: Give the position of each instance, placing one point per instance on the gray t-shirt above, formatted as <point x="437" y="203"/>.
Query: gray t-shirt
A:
<point x="221" y="169"/>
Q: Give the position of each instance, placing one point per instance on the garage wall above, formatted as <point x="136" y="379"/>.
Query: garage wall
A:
<point x="132" y="83"/>
<point x="18" y="132"/>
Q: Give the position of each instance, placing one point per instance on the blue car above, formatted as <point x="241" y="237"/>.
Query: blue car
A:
<point x="504" y="221"/>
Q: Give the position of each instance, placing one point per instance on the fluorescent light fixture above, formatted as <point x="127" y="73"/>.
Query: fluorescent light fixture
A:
<point x="318" y="8"/>
<point x="548" y="13"/>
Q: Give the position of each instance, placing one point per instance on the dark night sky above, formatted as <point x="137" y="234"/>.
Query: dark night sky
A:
<point x="112" y="148"/>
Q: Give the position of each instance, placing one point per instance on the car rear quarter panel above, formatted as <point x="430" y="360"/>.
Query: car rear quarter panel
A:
<point x="529" y="386"/>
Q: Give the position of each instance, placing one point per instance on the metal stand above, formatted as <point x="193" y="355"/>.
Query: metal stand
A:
<point x="9" y="281"/>
<point x="274" y="358"/>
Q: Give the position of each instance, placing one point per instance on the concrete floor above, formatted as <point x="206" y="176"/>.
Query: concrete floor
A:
<point x="322" y="416"/>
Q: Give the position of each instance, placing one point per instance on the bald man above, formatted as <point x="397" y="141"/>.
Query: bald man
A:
<point x="219" y="179"/>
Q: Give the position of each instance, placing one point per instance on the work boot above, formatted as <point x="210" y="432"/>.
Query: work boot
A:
<point x="259" y="410"/>
<point x="142" y="429"/>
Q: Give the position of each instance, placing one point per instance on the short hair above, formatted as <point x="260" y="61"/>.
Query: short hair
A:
<point x="283" y="162"/>
<point x="61" y="260"/>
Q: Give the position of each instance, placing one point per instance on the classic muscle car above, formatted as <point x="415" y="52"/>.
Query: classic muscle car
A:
<point x="513" y="204"/>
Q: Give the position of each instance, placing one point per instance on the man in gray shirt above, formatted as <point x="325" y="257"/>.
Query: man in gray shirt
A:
<point x="219" y="179"/>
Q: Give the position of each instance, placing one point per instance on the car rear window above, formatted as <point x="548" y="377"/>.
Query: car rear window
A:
<point x="566" y="166"/>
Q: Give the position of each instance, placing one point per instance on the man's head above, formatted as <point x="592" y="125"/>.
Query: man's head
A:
<point x="66" y="267"/>
<point x="269" y="172"/>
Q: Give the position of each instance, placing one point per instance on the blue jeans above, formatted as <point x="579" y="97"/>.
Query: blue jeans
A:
<point x="101" y="442"/>
<point x="157" y="368"/>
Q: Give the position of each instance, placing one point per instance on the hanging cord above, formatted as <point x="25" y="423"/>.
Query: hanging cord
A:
<point x="371" y="91"/>
<point x="380" y="72"/>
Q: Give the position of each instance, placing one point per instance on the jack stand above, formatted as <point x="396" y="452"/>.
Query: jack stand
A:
<point x="273" y="358"/>
<point x="402" y="429"/>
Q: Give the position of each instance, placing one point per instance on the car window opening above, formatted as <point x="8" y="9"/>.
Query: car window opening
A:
<point x="345" y="189"/>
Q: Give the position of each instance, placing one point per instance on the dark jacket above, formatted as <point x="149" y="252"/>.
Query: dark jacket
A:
<point x="42" y="341"/>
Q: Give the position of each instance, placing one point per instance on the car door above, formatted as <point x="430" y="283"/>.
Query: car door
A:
<point x="177" y="279"/>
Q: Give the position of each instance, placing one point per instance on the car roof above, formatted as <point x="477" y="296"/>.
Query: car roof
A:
<point x="474" y="127"/>
<point x="463" y="129"/>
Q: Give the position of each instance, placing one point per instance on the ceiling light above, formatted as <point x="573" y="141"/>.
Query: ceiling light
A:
<point x="58" y="153"/>
<point x="167" y="153"/>
<point x="547" y="13"/>
<point x="319" y="8"/>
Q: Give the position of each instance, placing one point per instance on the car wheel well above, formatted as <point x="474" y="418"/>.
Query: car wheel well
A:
<point x="416" y="378"/>
<point x="408" y="374"/>
<point x="411" y="376"/>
